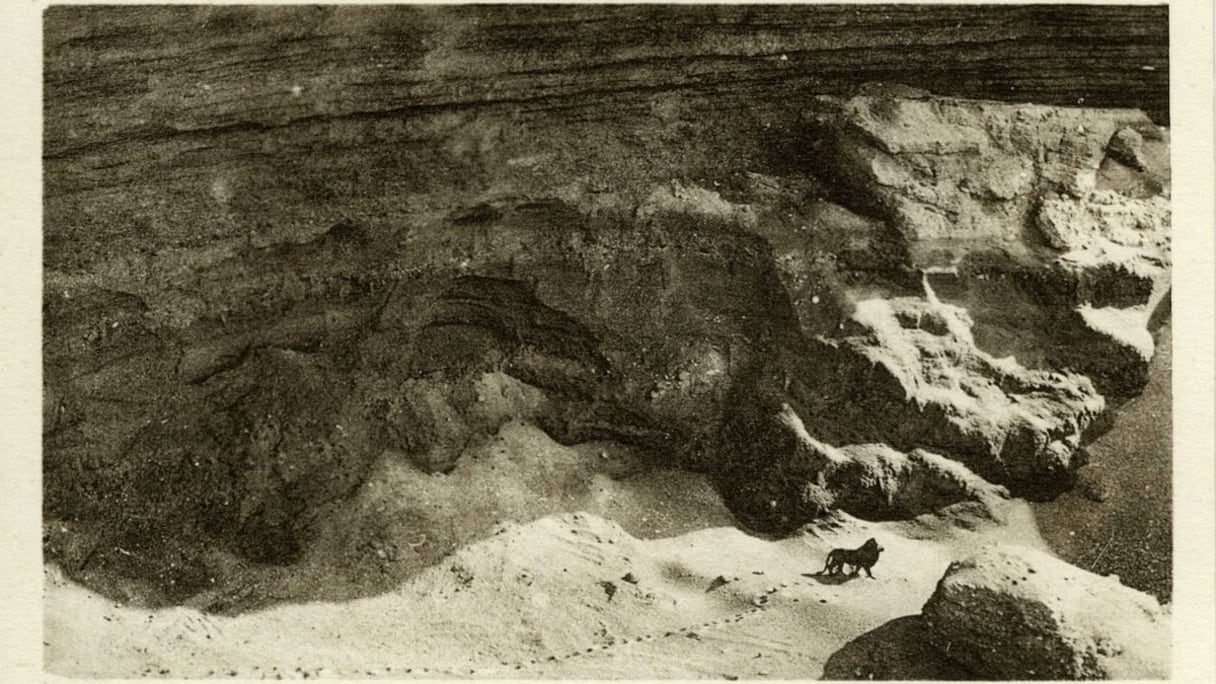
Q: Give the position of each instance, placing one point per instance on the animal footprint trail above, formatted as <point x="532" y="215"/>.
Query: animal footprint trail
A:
<point x="686" y="631"/>
<point x="693" y="631"/>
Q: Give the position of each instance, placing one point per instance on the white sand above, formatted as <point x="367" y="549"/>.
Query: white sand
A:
<point x="527" y="602"/>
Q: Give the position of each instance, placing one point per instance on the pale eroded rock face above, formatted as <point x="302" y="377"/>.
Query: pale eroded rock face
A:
<point x="960" y="175"/>
<point x="1016" y="613"/>
<point x="1025" y="425"/>
<point x="904" y="372"/>
<point x="1073" y="203"/>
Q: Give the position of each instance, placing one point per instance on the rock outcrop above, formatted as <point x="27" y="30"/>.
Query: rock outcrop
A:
<point x="1011" y="425"/>
<point x="875" y="481"/>
<point x="266" y="276"/>
<point x="955" y="176"/>
<point x="1074" y="203"/>
<point x="904" y="372"/>
<point x="1017" y="613"/>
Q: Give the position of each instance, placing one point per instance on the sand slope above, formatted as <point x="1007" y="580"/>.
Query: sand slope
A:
<point x="1128" y="532"/>
<point x="533" y="601"/>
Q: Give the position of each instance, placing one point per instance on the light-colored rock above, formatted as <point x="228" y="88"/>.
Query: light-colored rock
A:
<point x="957" y="175"/>
<point x="692" y="201"/>
<point x="1011" y="612"/>
<point x="1024" y="425"/>
<point x="1128" y="327"/>
<point x="1076" y="201"/>
<point x="1126" y="146"/>
<point x="1070" y="223"/>
<point x="876" y="481"/>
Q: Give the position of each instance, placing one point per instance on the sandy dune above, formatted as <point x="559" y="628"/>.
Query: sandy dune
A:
<point x="565" y="596"/>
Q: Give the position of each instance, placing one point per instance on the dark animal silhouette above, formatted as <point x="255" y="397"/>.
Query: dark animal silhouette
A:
<point x="863" y="557"/>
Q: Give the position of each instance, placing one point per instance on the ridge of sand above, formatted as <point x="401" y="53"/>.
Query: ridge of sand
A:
<point x="533" y="600"/>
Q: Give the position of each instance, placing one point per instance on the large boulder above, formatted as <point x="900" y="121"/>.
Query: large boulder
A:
<point x="1017" y="613"/>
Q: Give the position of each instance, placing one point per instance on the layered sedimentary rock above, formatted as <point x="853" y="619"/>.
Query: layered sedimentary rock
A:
<point x="1016" y="613"/>
<point x="256" y="298"/>
<point x="684" y="330"/>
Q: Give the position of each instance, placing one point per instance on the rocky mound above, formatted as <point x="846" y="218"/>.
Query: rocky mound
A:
<point x="1017" y="613"/>
<point x="904" y="372"/>
<point x="1011" y="425"/>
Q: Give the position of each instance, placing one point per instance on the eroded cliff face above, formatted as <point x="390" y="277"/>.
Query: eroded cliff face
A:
<point x="257" y="318"/>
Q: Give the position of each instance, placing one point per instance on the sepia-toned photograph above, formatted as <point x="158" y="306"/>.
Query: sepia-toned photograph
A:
<point x="727" y="342"/>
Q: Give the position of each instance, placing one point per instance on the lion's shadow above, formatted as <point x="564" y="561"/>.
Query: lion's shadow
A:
<point x="833" y="580"/>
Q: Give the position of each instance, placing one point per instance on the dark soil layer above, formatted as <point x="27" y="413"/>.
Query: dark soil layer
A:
<point x="1128" y="533"/>
<point x="295" y="117"/>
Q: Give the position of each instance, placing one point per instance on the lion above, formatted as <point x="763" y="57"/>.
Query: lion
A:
<point x="863" y="557"/>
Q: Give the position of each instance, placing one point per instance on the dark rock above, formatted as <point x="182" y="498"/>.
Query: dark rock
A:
<point x="609" y="589"/>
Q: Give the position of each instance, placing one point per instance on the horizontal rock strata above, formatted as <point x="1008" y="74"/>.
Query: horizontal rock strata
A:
<point x="288" y="248"/>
